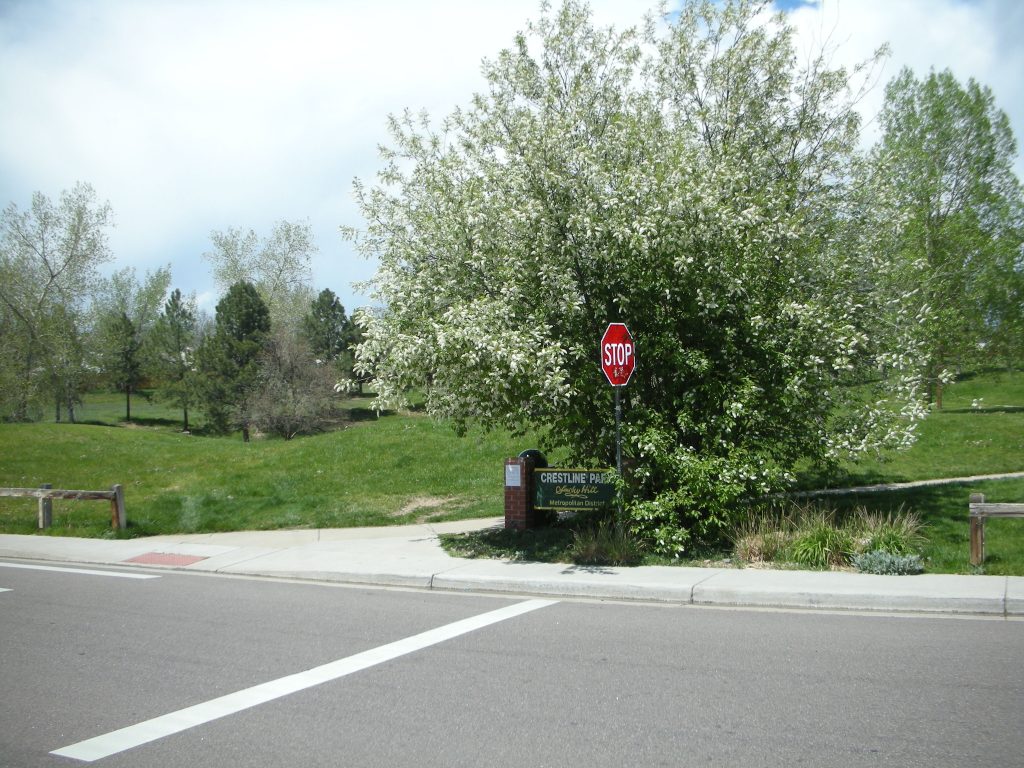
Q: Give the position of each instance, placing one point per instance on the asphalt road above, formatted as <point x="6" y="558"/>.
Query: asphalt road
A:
<point x="539" y="683"/>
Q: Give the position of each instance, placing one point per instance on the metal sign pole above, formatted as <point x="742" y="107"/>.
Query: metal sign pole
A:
<point x="618" y="444"/>
<point x="618" y="431"/>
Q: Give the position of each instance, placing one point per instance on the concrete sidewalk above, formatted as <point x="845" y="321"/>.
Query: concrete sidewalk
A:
<point x="410" y="556"/>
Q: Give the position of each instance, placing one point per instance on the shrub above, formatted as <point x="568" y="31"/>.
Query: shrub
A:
<point x="293" y="394"/>
<point x="887" y="563"/>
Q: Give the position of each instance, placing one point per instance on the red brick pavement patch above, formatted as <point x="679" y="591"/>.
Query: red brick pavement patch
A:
<point x="164" y="558"/>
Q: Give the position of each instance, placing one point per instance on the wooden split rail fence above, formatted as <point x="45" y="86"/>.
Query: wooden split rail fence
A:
<point x="979" y="510"/>
<point x="46" y="494"/>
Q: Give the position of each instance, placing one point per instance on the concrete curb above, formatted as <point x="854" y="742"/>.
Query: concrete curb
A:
<point x="417" y="561"/>
<point x="672" y="585"/>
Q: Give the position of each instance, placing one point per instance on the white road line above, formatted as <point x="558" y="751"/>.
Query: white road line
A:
<point x="190" y="717"/>
<point x="4" y="590"/>
<point x="82" y="571"/>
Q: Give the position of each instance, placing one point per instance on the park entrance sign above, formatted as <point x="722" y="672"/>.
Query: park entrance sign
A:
<point x="618" y="354"/>
<point x="573" y="489"/>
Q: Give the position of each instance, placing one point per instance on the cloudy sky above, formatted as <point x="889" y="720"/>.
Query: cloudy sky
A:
<point x="198" y="115"/>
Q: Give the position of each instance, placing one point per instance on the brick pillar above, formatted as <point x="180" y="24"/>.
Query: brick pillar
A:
<point x="519" y="512"/>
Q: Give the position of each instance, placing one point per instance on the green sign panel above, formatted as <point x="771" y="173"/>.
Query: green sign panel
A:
<point x="573" y="488"/>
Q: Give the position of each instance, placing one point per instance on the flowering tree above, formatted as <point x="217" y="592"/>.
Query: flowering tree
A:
<point x="691" y="182"/>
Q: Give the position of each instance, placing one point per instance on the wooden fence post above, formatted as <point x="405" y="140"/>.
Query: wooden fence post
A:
<point x="45" y="509"/>
<point x="117" y="516"/>
<point x="977" y="531"/>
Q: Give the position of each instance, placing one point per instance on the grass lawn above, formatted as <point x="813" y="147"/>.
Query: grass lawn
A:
<point x="109" y="408"/>
<point x="960" y="440"/>
<point x="391" y="470"/>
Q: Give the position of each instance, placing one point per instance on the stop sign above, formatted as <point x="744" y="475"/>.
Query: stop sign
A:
<point x="618" y="354"/>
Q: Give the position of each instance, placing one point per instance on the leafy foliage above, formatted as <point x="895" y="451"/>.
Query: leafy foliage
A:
<point x="333" y="338"/>
<point x="327" y="328"/>
<point x="703" y="195"/>
<point x="229" y="358"/>
<point x="126" y="312"/>
<point x="278" y="266"/>
<point x="48" y="259"/>
<point x="945" y="164"/>
<point x="174" y="351"/>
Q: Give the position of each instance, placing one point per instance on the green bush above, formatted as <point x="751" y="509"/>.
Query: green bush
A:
<point x="887" y="563"/>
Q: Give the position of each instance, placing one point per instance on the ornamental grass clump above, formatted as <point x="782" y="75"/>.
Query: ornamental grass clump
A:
<point x="605" y="544"/>
<point x="819" y="543"/>
<point x="820" y="537"/>
<point x="897" y="533"/>
<point x="760" y="538"/>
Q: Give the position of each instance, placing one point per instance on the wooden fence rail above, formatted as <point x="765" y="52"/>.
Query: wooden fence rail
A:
<point x="46" y="494"/>
<point x="978" y="511"/>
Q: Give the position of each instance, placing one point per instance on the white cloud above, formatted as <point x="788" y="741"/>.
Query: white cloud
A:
<point x="978" y="39"/>
<point x="191" y="116"/>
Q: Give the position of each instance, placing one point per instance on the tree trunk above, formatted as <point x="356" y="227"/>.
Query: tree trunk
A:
<point x="185" y="410"/>
<point x="245" y="433"/>
<point x="127" y="403"/>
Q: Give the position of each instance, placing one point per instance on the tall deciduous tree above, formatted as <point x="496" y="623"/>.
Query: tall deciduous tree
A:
<point x="229" y="358"/>
<point x="67" y="360"/>
<point x="126" y="312"/>
<point x="49" y="254"/>
<point x="174" y="351"/>
<point x="946" y="159"/>
<point x="278" y="266"/>
<point x="700" y="195"/>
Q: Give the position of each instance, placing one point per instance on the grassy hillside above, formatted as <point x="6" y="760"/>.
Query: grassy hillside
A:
<point x="393" y="470"/>
<point x="979" y="431"/>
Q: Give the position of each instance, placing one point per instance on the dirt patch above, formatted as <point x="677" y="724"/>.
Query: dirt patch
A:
<point x="423" y="505"/>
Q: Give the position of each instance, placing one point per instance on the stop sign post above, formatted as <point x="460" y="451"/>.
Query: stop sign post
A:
<point x="618" y="361"/>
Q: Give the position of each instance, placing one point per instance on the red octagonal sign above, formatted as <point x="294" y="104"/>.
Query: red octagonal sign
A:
<point x="618" y="354"/>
